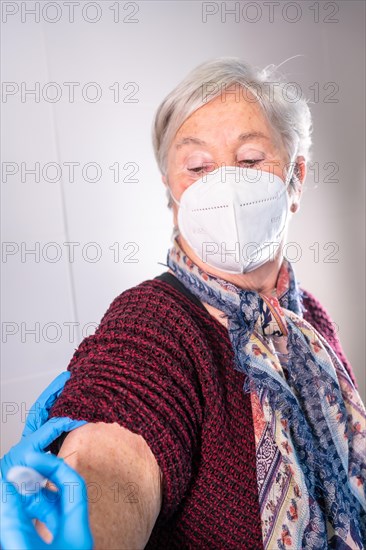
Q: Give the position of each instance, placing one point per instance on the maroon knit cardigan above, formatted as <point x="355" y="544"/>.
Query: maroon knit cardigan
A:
<point x="162" y="367"/>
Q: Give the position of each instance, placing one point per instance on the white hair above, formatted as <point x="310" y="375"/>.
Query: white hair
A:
<point x="288" y="114"/>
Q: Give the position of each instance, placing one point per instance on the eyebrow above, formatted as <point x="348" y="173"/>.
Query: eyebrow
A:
<point x="247" y="136"/>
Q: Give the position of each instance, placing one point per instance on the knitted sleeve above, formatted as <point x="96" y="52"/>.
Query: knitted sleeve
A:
<point x="134" y="371"/>
<point x="317" y="316"/>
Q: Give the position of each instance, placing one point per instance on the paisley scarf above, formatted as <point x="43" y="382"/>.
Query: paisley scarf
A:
<point x="309" y="420"/>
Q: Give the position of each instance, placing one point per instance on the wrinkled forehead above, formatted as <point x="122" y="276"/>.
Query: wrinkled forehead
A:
<point x="233" y="113"/>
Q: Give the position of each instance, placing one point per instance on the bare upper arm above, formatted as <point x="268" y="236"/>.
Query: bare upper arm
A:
<point x="124" y="483"/>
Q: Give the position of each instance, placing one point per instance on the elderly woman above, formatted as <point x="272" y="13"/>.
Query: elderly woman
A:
<point x="221" y="411"/>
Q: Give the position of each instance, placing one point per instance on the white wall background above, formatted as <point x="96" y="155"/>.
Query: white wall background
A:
<point x="155" y="52"/>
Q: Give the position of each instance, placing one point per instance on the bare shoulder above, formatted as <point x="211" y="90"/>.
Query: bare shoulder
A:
<point x="123" y="479"/>
<point x="100" y="437"/>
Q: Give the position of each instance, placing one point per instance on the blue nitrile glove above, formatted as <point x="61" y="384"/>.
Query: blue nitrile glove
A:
<point x="37" y="441"/>
<point x="38" y="413"/>
<point x="72" y="531"/>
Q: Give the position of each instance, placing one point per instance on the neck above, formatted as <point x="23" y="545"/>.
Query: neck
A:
<point x="262" y="280"/>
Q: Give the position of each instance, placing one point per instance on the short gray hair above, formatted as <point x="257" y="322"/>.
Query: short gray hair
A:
<point x="287" y="112"/>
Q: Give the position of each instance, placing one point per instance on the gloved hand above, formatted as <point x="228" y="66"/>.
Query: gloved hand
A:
<point x="37" y="441"/>
<point x="72" y="530"/>
<point x="38" y="413"/>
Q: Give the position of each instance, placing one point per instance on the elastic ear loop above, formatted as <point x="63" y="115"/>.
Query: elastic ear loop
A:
<point x="290" y="173"/>
<point x="293" y="164"/>
<point x="174" y="199"/>
<point x="176" y="231"/>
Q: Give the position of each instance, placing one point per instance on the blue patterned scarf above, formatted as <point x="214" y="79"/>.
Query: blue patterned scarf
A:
<point x="306" y="410"/>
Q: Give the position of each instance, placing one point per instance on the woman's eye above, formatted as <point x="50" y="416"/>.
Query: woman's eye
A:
<point x="251" y="162"/>
<point x="197" y="170"/>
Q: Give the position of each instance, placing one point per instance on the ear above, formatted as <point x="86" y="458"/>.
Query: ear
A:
<point x="299" y="174"/>
<point x="301" y="168"/>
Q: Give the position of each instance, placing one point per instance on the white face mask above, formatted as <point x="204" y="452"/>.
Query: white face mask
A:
<point x="235" y="218"/>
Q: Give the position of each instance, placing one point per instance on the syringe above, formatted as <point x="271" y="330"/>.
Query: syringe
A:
<point x="26" y="479"/>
